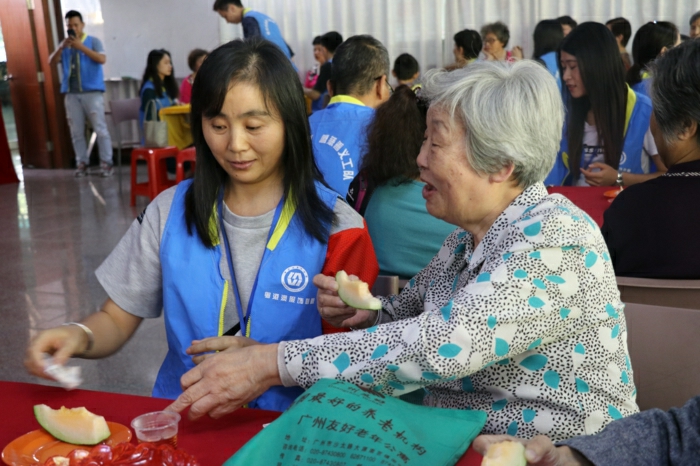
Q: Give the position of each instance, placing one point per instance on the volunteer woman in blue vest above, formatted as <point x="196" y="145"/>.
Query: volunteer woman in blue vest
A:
<point x="234" y="250"/>
<point x="650" y="41"/>
<point x="606" y="139"/>
<point x="158" y="86"/>
<point x="547" y="38"/>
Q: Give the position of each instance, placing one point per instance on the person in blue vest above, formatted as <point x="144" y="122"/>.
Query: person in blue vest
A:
<point x="328" y="43"/>
<point x="359" y="84"/>
<point x="82" y="57"/>
<point x="546" y="39"/>
<point x="233" y="251"/>
<point x="255" y="24"/>
<point x="651" y="40"/>
<point x="158" y="87"/>
<point x="606" y="139"/>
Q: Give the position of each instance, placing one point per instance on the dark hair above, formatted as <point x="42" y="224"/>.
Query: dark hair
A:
<point x="675" y="90"/>
<point x="195" y="55"/>
<point x="223" y="4"/>
<point x="470" y="41"/>
<point x="357" y="64"/>
<point x="331" y="41"/>
<point x="74" y="14"/>
<point x="694" y="18"/>
<point x="567" y="20"/>
<point x="647" y="45"/>
<point x="317" y="41"/>
<point x="547" y="37"/>
<point x="394" y="139"/>
<point x="603" y="76"/>
<point x="621" y="27"/>
<point x="406" y="67"/>
<point x="151" y="74"/>
<point x="499" y="29"/>
<point x="263" y="64"/>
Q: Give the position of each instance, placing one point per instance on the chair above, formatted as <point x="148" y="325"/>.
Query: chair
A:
<point x="386" y="285"/>
<point x="664" y="347"/>
<point x="122" y="111"/>
<point x="185" y="155"/>
<point x="128" y="110"/>
<point x="683" y="294"/>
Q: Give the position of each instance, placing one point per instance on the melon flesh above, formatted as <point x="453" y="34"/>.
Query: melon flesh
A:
<point x="78" y="425"/>
<point x="505" y="454"/>
<point x="355" y="293"/>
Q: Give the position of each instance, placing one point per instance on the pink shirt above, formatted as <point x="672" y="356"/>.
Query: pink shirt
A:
<point x="186" y="90"/>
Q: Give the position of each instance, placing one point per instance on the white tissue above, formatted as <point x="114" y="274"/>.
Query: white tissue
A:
<point x="68" y="376"/>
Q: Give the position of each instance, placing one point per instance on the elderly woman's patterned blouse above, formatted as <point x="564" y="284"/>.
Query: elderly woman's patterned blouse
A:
<point x="528" y="326"/>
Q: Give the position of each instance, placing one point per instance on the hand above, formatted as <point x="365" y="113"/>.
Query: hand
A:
<point x="60" y="342"/>
<point x="517" y="52"/>
<point x="607" y="176"/>
<point x="67" y="42"/>
<point x="226" y="381"/>
<point x="334" y="311"/>
<point x="539" y="451"/>
<point x="488" y="56"/>
<point x="213" y="345"/>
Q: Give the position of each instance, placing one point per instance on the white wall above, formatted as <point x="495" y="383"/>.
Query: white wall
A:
<point x="133" y="27"/>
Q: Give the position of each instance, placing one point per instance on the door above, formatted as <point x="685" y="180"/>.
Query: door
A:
<point x="39" y="114"/>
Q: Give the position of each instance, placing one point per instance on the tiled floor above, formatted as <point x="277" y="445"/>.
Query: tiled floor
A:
<point x="54" y="232"/>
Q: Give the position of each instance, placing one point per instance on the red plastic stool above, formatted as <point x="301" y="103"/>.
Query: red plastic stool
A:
<point x="157" y="172"/>
<point x="185" y="155"/>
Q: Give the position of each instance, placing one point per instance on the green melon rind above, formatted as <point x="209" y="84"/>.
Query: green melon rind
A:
<point x="370" y="304"/>
<point x="44" y="415"/>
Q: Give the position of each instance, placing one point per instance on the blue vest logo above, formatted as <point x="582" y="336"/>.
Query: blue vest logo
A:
<point x="295" y="279"/>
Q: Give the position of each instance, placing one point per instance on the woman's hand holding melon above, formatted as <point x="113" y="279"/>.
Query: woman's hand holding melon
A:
<point x="334" y="311"/>
<point x="539" y="451"/>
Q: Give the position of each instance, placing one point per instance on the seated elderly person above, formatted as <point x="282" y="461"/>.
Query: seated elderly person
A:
<point x="644" y="217"/>
<point x="517" y="315"/>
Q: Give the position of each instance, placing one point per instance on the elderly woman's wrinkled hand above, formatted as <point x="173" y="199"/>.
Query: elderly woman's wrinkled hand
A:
<point x="517" y="52"/>
<point x="539" y="451"/>
<point x="600" y="174"/>
<point x="226" y="381"/>
<point x="334" y="311"/>
<point x="202" y="349"/>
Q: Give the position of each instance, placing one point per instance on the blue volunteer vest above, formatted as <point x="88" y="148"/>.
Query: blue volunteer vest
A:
<point x="550" y="61"/>
<point x="339" y="138"/>
<point x="161" y="102"/>
<point x="90" y="77"/>
<point x="642" y="87"/>
<point x="269" y="30"/>
<point x="195" y="293"/>
<point x="636" y="125"/>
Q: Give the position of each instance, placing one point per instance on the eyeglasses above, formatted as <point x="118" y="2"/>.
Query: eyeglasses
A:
<point x="391" y="89"/>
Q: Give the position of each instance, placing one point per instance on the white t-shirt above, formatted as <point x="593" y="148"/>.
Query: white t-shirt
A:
<point x="593" y="150"/>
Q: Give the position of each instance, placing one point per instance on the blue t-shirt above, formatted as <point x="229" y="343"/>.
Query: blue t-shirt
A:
<point x="405" y="236"/>
<point x="339" y="138"/>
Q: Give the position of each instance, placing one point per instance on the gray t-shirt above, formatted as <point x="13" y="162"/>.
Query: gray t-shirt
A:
<point x="131" y="275"/>
<point x="73" y="82"/>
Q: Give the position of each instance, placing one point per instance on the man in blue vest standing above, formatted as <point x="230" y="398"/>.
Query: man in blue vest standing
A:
<point x="255" y="24"/>
<point x="358" y="85"/>
<point x="82" y="57"/>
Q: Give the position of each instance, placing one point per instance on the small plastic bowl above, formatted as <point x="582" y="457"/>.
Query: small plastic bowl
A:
<point x="159" y="428"/>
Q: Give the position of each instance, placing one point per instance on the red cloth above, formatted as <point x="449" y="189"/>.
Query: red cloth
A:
<point x="7" y="169"/>
<point x="211" y="441"/>
<point x="185" y="95"/>
<point x="590" y="199"/>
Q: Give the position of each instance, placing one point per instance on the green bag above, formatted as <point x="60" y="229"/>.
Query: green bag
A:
<point x="336" y="423"/>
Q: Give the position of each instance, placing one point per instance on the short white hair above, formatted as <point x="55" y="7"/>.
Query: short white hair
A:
<point x="512" y="112"/>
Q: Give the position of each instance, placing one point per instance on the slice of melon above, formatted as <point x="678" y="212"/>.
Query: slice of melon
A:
<point x="78" y="425"/>
<point x="505" y="454"/>
<point x="355" y="293"/>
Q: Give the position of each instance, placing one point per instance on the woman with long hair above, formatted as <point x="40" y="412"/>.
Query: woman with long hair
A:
<point x="650" y="41"/>
<point x="547" y="38"/>
<point x="233" y="251"/>
<point x="158" y="85"/>
<point x="606" y="139"/>
<point x="388" y="190"/>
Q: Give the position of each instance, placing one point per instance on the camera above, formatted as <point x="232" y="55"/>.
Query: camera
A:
<point x="71" y="33"/>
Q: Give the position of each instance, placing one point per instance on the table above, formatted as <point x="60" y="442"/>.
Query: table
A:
<point x="211" y="441"/>
<point x="590" y="199"/>
<point x="177" y="118"/>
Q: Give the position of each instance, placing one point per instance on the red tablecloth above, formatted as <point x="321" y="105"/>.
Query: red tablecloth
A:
<point x="590" y="199"/>
<point x="211" y="441"/>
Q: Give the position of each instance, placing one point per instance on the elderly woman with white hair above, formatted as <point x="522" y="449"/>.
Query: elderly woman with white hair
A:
<point x="517" y="315"/>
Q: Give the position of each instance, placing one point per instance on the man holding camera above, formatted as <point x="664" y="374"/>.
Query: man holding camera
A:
<point x="82" y="57"/>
